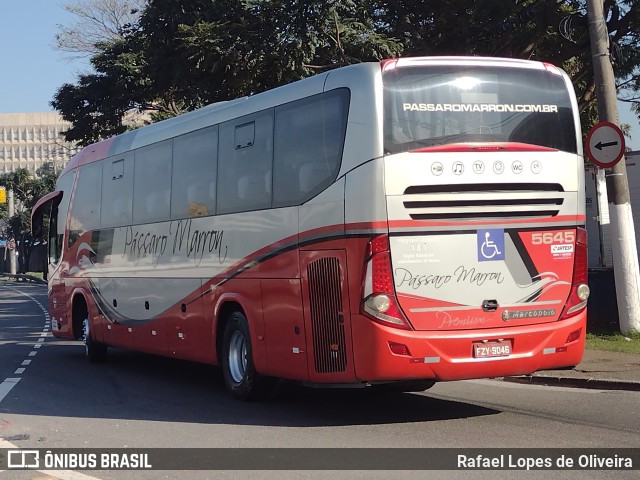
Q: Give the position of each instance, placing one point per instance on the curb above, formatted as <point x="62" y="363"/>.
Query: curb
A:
<point x="21" y="277"/>
<point x="573" y="382"/>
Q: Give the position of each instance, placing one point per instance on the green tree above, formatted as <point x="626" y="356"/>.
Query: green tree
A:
<point x="183" y="54"/>
<point x="95" y="22"/>
<point x="96" y="105"/>
<point x="3" y="215"/>
<point x="27" y="189"/>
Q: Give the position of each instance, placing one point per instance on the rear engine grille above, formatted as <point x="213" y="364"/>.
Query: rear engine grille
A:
<point x="500" y="200"/>
<point x="327" y="321"/>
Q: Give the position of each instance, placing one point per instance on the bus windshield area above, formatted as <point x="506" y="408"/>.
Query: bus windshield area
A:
<point x="425" y="106"/>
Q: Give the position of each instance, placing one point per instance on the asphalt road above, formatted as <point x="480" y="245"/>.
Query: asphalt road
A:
<point x="58" y="400"/>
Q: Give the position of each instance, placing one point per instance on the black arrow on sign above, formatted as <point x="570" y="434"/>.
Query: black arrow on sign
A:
<point x="601" y="145"/>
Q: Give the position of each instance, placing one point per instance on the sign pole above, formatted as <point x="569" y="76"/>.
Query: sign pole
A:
<point x="12" y="253"/>
<point x="625" y="255"/>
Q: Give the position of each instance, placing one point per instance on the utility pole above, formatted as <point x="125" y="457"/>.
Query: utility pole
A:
<point x="625" y="255"/>
<point x="12" y="252"/>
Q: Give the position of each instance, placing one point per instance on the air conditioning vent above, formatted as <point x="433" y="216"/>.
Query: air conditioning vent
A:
<point x="507" y="200"/>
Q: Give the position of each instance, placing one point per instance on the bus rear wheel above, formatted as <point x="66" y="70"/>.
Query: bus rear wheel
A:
<point x="240" y="376"/>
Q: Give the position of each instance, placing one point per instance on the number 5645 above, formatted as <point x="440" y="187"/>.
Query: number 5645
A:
<point x="548" y="238"/>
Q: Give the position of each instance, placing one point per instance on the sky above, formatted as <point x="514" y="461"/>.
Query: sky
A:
<point x="33" y="70"/>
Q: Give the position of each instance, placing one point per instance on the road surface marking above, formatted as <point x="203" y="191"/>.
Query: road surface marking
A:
<point x="7" y="385"/>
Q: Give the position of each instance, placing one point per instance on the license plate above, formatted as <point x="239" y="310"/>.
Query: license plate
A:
<point x="492" y="349"/>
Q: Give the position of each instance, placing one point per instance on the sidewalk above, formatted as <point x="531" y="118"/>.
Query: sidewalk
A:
<point x="599" y="369"/>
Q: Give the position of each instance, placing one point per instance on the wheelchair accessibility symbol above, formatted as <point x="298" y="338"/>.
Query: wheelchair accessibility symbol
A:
<point x="490" y="244"/>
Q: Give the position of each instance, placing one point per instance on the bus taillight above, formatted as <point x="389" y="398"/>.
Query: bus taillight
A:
<point x="379" y="299"/>
<point x="579" y="288"/>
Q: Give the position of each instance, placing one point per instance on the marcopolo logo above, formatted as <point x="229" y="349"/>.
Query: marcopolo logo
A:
<point x="534" y="313"/>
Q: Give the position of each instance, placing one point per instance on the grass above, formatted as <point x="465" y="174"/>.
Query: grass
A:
<point x="609" y="338"/>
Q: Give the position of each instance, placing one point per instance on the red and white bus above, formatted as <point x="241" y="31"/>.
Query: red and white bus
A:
<point x="394" y="223"/>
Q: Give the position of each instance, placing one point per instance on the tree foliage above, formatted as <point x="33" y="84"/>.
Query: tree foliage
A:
<point x="96" y="22"/>
<point x="183" y="54"/>
<point x="27" y="189"/>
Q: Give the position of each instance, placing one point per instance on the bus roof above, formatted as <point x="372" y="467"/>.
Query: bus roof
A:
<point x="222" y="111"/>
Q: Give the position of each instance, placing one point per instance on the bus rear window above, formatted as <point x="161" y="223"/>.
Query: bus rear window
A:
<point x="433" y="105"/>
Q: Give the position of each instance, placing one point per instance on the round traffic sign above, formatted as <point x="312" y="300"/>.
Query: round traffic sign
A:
<point x="605" y="144"/>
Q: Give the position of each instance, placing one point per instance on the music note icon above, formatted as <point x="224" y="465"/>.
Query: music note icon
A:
<point x="458" y="168"/>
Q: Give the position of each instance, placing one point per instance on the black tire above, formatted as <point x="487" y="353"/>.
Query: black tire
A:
<point x="94" y="351"/>
<point x="406" y="386"/>
<point x="240" y="376"/>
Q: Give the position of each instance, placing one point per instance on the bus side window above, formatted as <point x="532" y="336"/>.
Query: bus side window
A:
<point x="55" y="249"/>
<point x="198" y="199"/>
<point x="309" y="137"/>
<point x="117" y="185"/>
<point x="122" y="210"/>
<point x="152" y="182"/>
<point x="245" y="163"/>
<point x="85" y="209"/>
<point x="252" y="189"/>
<point x="59" y="222"/>
<point x="158" y="205"/>
<point x="310" y="175"/>
<point x="193" y="178"/>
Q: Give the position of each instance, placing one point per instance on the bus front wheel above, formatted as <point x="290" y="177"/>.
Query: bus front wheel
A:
<point x="240" y="377"/>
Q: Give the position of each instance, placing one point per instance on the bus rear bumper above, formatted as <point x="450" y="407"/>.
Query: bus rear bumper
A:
<point x="449" y="355"/>
<point x="61" y="328"/>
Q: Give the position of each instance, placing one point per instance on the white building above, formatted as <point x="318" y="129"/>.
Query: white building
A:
<point x="29" y="140"/>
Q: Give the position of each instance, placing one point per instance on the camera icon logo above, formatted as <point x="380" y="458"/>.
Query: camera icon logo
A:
<point x="23" y="459"/>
